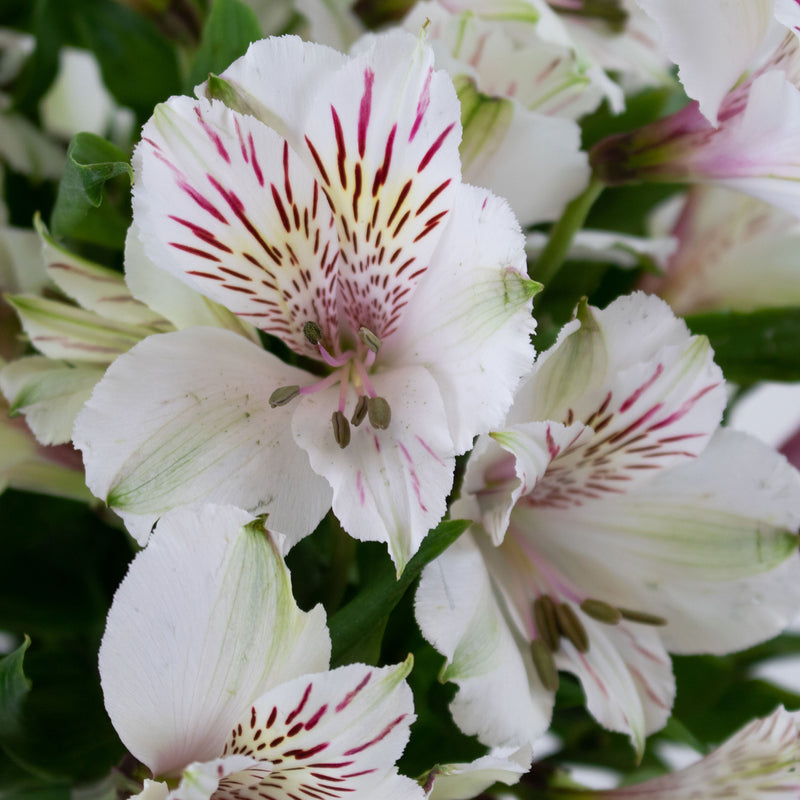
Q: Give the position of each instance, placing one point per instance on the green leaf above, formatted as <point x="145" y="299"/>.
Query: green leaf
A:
<point x="759" y="345"/>
<point x="139" y="65"/>
<point x="14" y="687"/>
<point x="230" y="28"/>
<point x="357" y="628"/>
<point x="83" y="210"/>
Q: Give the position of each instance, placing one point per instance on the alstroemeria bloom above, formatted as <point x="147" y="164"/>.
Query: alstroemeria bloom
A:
<point x="612" y="524"/>
<point x="759" y="762"/>
<point x="733" y="252"/>
<point x="752" y="147"/>
<point x="522" y="85"/>
<point x="332" y="216"/>
<point x="216" y="681"/>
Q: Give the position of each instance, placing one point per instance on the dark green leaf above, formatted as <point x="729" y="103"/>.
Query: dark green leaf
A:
<point x="760" y="345"/>
<point x="59" y="567"/>
<point x="357" y="628"/>
<point x="64" y="730"/>
<point x="14" y="686"/>
<point x="229" y="30"/>
<point x="82" y="210"/>
<point x="17" y="783"/>
<point x="139" y="65"/>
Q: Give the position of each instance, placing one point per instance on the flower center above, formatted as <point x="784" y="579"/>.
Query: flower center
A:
<point x="554" y="607"/>
<point x="350" y="366"/>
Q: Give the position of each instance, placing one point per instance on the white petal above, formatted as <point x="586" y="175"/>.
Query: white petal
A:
<point x="500" y="698"/>
<point x="721" y="235"/>
<point x="282" y="104"/>
<point x="464" y="781"/>
<point x="49" y="393"/>
<point x="766" y="132"/>
<point x="223" y="203"/>
<point x="198" y="428"/>
<point x="511" y="463"/>
<point x="626" y="675"/>
<point x="712" y="42"/>
<point x="469" y="322"/>
<point x="172" y="298"/>
<point x="63" y="331"/>
<point x="341" y="730"/>
<point x="203" y="623"/>
<point x="708" y="546"/>
<point x="758" y="761"/>
<point x="532" y="150"/>
<point x="94" y="287"/>
<point x="383" y="134"/>
<point x="201" y="780"/>
<point x="152" y="790"/>
<point x="21" y="268"/>
<point x="388" y="485"/>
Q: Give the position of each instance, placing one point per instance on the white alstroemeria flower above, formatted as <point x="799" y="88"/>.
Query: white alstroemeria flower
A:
<point x="612" y="524"/>
<point x="333" y="217"/>
<point x="759" y="762"/>
<point x="752" y="148"/>
<point x="217" y="682"/>
<point x="78" y="337"/>
<point x="733" y="252"/>
<point x="522" y="85"/>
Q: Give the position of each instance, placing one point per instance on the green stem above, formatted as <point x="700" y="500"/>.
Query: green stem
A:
<point x="563" y="232"/>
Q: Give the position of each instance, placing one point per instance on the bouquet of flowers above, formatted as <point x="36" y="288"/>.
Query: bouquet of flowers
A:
<point x="368" y="370"/>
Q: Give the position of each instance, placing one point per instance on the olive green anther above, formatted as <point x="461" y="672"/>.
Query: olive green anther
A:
<point x="361" y="410"/>
<point x="312" y="332"/>
<point x="571" y="627"/>
<point x="642" y="617"/>
<point x="602" y="612"/>
<point x="283" y="395"/>
<point x="544" y="615"/>
<point x="369" y="339"/>
<point x="544" y="664"/>
<point x="380" y="415"/>
<point x="341" y="429"/>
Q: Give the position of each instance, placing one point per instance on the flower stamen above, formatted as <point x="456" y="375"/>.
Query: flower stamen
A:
<point x="283" y="395"/>
<point x="544" y="616"/>
<point x="380" y="414"/>
<point x="545" y="665"/>
<point x="360" y="410"/>
<point x="341" y="429"/>
<point x="571" y="627"/>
